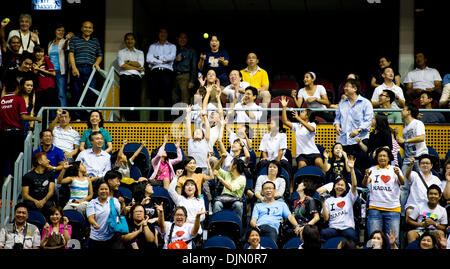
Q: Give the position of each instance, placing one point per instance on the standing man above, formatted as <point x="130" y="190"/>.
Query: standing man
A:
<point x="257" y="77"/>
<point x="185" y="67"/>
<point x="388" y="76"/>
<point x="413" y="143"/>
<point x="386" y="99"/>
<point x="85" y="54"/>
<point x="353" y="120"/>
<point x="423" y="78"/>
<point x="161" y="56"/>
<point x="131" y="62"/>
<point x="12" y="111"/>
<point x="20" y="234"/>
<point x="28" y="39"/>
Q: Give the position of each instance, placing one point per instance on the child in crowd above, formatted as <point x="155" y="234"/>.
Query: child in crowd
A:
<point x="337" y="165"/>
<point x="45" y="90"/>
<point x="123" y="164"/>
<point x="162" y="165"/>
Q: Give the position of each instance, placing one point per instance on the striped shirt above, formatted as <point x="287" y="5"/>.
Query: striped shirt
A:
<point x="65" y="140"/>
<point x="79" y="189"/>
<point x="85" y="51"/>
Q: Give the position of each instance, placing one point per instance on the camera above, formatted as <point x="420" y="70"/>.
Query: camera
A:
<point x="17" y="246"/>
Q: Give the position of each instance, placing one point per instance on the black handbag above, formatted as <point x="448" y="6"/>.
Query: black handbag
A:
<point x="227" y="199"/>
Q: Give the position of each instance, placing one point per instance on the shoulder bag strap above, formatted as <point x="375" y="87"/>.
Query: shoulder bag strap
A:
<point x="423" y="180"/>
<point x="170" y="233"/>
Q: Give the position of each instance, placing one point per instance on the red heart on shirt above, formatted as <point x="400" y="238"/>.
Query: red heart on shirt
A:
<point x="341" y="204"/>
<point x="385" y="178"/>
<point x="179" y="233"/>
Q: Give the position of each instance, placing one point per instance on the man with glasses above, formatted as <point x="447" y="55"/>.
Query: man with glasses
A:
<point x="267" y="215"/>
<point x="386" y="101"/>
<point x="413" y="143"/>
<point x="399" y="100"/>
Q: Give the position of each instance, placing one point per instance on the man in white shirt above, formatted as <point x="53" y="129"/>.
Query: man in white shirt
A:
<point x="96" y="160"/>
<point x="64" y="136"/>
<point x="413" y="143"/>
<point x="235" y="83"/>
<point x="388" y="75"/>
<point x="161" y="56"/>
<point x="28" y="39"/>
<point x="131" y="62"/>
<point x="248" y="101"/>
<point x="423" y="78"/>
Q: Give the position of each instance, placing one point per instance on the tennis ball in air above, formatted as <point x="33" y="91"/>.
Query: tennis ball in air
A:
<point x="6" y="20"/>
<point x="205" y="35"/>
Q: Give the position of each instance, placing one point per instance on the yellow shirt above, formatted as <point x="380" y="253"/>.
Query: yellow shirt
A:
<point x="259" y="79"/>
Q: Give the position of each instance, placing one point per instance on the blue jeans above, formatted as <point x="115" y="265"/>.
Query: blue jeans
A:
<point x="349" y="233"/>
<point x="237" y="207"/>
<point x="384" y="221"/>
<point x="61" y="86"/>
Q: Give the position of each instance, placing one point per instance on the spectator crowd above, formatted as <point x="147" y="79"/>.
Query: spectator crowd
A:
<point x="363" y="191"/>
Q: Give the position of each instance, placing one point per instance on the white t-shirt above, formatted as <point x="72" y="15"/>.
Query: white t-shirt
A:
<point x="272" y="145"/>
<point x="228" y="160"/>
<point x="242" y="117"/>
<point x="213" y="136"/>
<point x="340" y="210"/>
<point x="418" y="192"/>
<point x="199" y="151"/>
<point x="229" y="91"/>
<point x="232" y="136"/>
<point x="192" y="205"/>
<point x="179" y="233"/>
<point x="395" y="89"/>
<point x="196" y="110"/>
<point x="384" y="188"/>
<point x="422" y="78"/>
<point x="27" y="43"/>
<point x="320" y="90"/>
<point x="280" y="184"/>
<point x="413" y="129"/>
<point x="422" y="210"/>
<point x="304" y="139"/>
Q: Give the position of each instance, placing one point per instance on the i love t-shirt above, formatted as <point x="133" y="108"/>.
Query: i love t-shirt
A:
<point x="340" y="210"/>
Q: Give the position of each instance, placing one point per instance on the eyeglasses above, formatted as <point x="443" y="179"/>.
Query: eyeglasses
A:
<point x="384" y="95"/>
<point x="425" y="163"/>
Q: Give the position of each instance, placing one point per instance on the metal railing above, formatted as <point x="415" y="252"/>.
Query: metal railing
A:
<point x="6" y="200"/>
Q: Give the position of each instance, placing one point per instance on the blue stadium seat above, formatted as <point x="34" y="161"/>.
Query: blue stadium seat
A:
<point x="126" y="193"/>
<point x="432" y="151"/>
<point x="78" y="223"/>
<point x="219" y="242"/>
<point x="332" y="243"/>
<point x="37" y="218"/>
<point x="309" y="171"/>
<point x="132" y="147"/>
<point x="162" y="195"/>
<point x="293" y="243"/>
<point x="135" y="172"/>
<point x="171" y="150"/>
<point x="226" y="223"/>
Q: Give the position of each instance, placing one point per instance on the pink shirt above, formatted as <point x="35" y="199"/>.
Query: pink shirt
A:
<point x="61" y="231"/>
<point x="164" y="171"/>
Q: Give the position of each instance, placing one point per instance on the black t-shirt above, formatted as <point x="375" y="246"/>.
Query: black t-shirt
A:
<point x="140" y="242"/>
<point x="16" y="73"/>
<point x="38" y="183"/>
<point x="337" y="169"/>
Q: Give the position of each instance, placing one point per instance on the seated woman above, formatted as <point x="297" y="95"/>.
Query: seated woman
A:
<point x="81" y="191"/>
<point x="379" y="240"/>
<point x="253" y="239"/>
<point x="189" y="168"/>
<point x="336" y="166"/>
<point x="95" y="123"/>
<point x="273" y="174"/>
<point x="307" y="152"/>
<point x="188" y="199"/>
<point x="141" y="235"/>
<point x="163" y="166"/>
<point x="338" y="208"/>
<point x="234" y="185"/>
<point x="273" y="147"/>
<point x="178" y="233"/>
<point x="315" y="96"/>
<point x="57" y="231"/>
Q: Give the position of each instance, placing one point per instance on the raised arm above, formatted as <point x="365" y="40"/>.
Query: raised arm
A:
<point x="64" y="180"/>
<point x="136" y="153"/>
<point x="188" y="122"/>
<point x="284" y="117"/>
<point x="351" y="164"/>
<point x="161" y="222"/>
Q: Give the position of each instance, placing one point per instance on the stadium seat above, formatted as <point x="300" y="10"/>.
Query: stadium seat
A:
<point x="78" y="223"/>
<point x="332" y="243"/>
<point x="283" y="86"/>
<point x="328" y="87"/>
<point x="293" y="243"/>
<point x="132" y="147"/>
<point x="226" y="223"/>
<point x="171" y="151"/>
<point x="310" y="171"/>
<point x="135" y="172"/>
<point x="266" y="242"/>
<point x="162" y="195"/>
<point x="219" y="242"/>
<point x="433" y="152"/>
<point x="126" y="194"/>
<point x="37" y="218"/>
